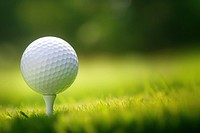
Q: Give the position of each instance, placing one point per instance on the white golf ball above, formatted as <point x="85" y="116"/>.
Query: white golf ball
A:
<point x="49" y="65"/>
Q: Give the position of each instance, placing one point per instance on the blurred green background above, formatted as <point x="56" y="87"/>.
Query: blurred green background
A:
<point x="113" y="39"/>
<point x="96" y="26"/>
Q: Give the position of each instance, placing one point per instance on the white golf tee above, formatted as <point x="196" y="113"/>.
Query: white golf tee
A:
<point x="49" y="101"/>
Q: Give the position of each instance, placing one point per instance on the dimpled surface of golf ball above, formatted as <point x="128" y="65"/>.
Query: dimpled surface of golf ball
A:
<point x="49" y="65"/>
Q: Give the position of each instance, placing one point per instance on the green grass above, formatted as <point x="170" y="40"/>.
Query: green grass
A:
<point x="111" y="94"/>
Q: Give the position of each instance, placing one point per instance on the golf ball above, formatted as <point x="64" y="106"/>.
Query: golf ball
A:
<point x="49" y="65"/>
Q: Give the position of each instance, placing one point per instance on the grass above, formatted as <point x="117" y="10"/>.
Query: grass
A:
<point x="111" y="94"/>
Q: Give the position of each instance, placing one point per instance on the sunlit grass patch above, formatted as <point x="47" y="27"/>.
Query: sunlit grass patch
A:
<point x="160" y="112"/>
<point x="110" y="94"/>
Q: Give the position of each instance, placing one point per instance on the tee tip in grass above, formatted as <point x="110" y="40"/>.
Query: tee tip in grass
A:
<point x="49" y="101"/>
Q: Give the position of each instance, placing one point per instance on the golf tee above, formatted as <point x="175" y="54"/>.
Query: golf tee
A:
<point x="49" y="101"/>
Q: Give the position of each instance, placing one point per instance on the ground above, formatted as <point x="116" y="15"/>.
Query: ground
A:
<point x="127" y="93"/>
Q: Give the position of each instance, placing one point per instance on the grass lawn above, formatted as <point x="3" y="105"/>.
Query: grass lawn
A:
<point x="119" y="94"/>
